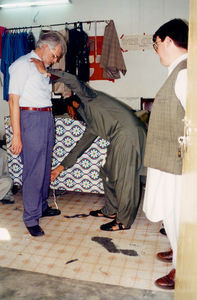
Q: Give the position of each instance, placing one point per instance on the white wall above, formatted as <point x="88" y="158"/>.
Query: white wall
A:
<point x="144" y="73"/>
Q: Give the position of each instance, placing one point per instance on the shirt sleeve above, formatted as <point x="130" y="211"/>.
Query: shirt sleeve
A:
<point x="19" y="72"/>
<point x="181" y="87"/>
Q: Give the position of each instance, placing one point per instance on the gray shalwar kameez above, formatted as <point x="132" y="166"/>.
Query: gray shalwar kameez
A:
<point x="112" y="120"/>
<point x="5" y="179"/>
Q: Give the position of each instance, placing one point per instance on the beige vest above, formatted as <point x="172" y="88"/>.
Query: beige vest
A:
<point x="165" y="126"/>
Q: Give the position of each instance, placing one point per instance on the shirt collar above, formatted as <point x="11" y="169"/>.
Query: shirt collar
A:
<point x="33" y="54"/>
<point x="176" y="62"/>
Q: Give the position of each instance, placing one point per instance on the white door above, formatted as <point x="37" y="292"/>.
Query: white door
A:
<point x="186" y="272"/>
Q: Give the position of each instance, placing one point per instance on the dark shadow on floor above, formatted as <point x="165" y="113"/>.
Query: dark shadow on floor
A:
<point x="18" y="284"/>
<point x="109" y="245"/>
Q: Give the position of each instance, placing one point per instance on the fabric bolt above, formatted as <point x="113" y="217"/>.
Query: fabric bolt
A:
<point x="110" y="119"/>
<point x="112" y="60"/>
<point x="161" y="200"/>
<point x="36" y="159"/>
<point x="84" y="175"/>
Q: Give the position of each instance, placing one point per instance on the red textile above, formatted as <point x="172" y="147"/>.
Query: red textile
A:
<point x="1" y="32"/>
<point x="96" y="72"/>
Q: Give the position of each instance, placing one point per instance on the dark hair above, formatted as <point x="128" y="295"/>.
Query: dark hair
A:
<point x="73" y="97"/>
<point x="177" y="30"/>
<point x="69" y="102"/>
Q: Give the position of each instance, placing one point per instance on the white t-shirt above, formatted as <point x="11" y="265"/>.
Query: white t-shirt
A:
<point x="27" y="82"/>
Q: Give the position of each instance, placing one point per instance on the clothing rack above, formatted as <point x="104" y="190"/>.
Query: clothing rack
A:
<point x="66" y="23"/>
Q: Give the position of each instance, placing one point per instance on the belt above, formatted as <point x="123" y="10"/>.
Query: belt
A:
<point x="37" y="108"/>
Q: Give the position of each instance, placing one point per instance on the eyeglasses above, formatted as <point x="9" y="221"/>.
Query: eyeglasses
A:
<point x="54" y="55"/>
<point x="155" y="45"/>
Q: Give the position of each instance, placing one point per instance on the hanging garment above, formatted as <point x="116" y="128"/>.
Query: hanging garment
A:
<point x="111" y="57"/>
<point x="77" y="57"/>
<point x="1" y="33"/>
<point x="6" y="60"/>
<point x="31" y="41"/>
<point x="95" y="45"/>
<point x="59" y="87"/>
<point x="14" y="45"/>
<point x="21" y="45"/>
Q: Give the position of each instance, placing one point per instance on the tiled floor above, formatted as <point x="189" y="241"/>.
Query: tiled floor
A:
<point x="77" y="249"/>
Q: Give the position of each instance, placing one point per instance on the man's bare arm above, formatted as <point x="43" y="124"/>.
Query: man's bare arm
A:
<point x="16" y="145"/>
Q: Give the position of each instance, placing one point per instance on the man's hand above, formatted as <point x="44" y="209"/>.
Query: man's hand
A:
<point x="72" y="112"/>
<point x="40" y="66"/>
<point x="55" y="172"/>
<point x="16" y="145"/>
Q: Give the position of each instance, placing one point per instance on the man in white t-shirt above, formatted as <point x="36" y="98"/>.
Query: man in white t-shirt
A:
<point x="33" y="126"/>
<point x="163" y="155"/>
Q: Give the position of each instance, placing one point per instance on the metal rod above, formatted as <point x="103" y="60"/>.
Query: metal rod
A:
<point x="66" y="23"/>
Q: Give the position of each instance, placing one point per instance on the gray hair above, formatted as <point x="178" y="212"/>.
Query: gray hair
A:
<point x="52" y="39"/>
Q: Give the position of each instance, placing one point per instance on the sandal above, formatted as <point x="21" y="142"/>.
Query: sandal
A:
<point x="98" y="213"/>
<point x="109" y="226"/>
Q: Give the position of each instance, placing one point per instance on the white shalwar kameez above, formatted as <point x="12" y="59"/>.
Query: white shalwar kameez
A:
<point x="163" y="190"/>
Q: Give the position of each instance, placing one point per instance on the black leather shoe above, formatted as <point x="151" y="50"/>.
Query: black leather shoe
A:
<point x="35" y="230"/>
<point x="113" y="226"/>
<point x="98" y="213"/>
<point x="50" y="212"/>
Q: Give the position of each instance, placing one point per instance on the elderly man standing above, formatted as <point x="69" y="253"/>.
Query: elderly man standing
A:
<point x="163" y="155"/>
<point x="33" y="126"/>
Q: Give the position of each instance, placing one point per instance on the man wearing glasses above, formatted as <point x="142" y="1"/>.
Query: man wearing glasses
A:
<point x="33" y="126"/>
<point x="163" y="155"/>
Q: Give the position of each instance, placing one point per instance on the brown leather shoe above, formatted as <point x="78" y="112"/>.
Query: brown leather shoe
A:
<point x="165" y="256"/>
<point x="168" y="281"/>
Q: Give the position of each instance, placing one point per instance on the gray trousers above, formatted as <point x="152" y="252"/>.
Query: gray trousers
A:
<point x="5" y="186"/>
<point x="5" y="179"/>
<point x="37" y="131"/>
<point x="121" y="181"/>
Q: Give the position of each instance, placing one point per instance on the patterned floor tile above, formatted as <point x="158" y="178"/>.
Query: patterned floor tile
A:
<point x="74" y="246"/>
